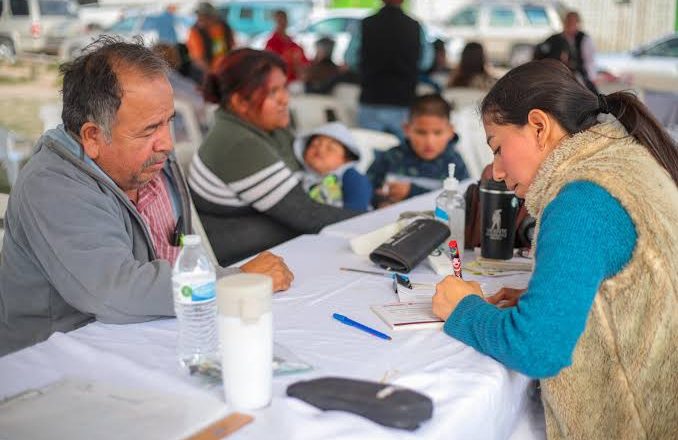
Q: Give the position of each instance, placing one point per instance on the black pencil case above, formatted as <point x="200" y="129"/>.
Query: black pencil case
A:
<point x="407" y="248"/>
<point x="384" y="404"/>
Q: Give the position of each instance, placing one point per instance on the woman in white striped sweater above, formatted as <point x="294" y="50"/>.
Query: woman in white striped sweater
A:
<point x="243" y="178"/>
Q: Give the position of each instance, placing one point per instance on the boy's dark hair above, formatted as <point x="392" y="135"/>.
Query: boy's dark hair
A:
<point x="348" y="154"/>
<point x="430" y="105"/>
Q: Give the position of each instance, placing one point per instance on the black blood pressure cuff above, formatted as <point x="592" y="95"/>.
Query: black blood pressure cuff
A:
<point x="406" y="249"/>
<point x="385" y="404"/>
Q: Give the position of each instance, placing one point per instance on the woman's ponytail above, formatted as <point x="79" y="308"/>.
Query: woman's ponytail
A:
<point x="642" y="125"/>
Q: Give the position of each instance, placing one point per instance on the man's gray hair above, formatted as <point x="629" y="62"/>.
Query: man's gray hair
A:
<point x="91" y="90"/>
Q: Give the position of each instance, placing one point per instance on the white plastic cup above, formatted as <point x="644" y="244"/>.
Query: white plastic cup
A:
<point x="246" y="337"/>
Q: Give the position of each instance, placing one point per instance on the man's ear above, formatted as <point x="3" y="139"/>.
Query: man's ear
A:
<point x="92" y="139"/>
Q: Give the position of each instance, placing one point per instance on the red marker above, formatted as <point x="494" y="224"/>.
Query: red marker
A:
<point x="456" y="259"/>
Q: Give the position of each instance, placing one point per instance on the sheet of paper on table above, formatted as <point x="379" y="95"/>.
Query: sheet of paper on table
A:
<point x="490" y="267"/>
<point x="408" y="315"/>
<point x="76" y="409"/>
<point x="420" y="292"/>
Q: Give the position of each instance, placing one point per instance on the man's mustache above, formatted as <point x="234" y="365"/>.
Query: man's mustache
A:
<point x="155" y="158"/>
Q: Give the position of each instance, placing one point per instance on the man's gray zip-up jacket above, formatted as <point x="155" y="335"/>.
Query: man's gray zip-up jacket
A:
<point x="76" y="249"/>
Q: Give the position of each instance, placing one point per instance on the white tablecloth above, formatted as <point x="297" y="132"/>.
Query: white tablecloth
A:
<point x="474" y="396"/>
<point x="375" y="219"/>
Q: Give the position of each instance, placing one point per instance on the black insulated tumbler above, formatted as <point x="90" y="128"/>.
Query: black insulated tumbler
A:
<point x="498" y="209"/>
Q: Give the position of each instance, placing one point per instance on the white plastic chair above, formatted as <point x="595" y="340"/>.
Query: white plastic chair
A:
<point x="464" y="96"/>
<point x="200" y="230"/>
<point x="424" y="89"/>
<point x="13" y="151"/>
<point x="4" y="199"/>
<point x="472" y="143"/>
<point x="50" y="115"/>
<point x="210" y="110"/>
<point x="186" y="133"/>
<point x="348" y="95"/>
<point x="370" y="140"/>
<point x="310" y="111"/>
<point x="186" y="144"/>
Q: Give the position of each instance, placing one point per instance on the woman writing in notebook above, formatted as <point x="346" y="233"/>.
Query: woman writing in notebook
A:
<point x="597" y="323"/>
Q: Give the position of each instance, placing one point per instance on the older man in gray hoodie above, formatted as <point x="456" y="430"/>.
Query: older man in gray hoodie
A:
<point x="92" y="220"/>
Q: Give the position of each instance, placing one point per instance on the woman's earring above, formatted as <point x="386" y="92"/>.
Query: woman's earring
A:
<point x="539" y="144"/>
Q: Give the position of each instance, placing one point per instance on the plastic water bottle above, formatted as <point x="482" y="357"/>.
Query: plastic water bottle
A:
<point x="193" y="284"/>
<point x="451" y="207"/>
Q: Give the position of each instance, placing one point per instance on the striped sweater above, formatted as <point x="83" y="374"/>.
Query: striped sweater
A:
<point x="243" y="181"/>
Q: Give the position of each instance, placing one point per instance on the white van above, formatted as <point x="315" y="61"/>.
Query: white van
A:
<point x="507" y="29"/>
<point x="35" y="25"/>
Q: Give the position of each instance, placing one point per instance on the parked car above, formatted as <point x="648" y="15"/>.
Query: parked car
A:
<point x="653" y="66"/>
<point x="334" y="23"/>
<point x="507" y="30"/>
<point x="250" y="18"/>
<point x="137" y="23"/>
<point x="36" y="25"/>
<point x="100" y="16"/>
<point x="337" y="24"/>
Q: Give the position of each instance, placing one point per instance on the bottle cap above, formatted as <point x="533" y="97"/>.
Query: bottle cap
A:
<point x="191" y="240"/>
<point x="450" y="183"/>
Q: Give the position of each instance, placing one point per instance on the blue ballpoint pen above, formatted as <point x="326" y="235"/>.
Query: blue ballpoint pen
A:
<point x="348" y="321"/>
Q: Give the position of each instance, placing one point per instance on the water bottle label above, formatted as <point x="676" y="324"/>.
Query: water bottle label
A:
<point x="441" y="214"/>
<point x="192" y="294"/>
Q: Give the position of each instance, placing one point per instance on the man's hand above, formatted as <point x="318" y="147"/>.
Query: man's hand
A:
<point x="506" y="297"/>
<point x="449" y="293"/>
<point x="272" y="265"/>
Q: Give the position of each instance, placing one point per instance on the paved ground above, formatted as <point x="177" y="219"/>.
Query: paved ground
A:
<point x="24" y="88"/>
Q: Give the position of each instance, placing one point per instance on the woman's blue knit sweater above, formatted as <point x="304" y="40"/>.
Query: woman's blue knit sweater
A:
<point x="585" y="237"/>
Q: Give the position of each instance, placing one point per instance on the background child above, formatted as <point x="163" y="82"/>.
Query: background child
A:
<point x="419" y="164"/>
<point x="329" y="154"/>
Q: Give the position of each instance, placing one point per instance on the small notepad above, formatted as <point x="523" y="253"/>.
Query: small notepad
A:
<point x="420" y="292"/>
<point x="408" y="315"/>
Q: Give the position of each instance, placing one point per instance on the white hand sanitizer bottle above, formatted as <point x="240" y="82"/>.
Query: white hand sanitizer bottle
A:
<point x="451" y="207"/>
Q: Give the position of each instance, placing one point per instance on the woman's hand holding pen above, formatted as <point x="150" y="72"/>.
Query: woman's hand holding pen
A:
<point x="449" y="293"/>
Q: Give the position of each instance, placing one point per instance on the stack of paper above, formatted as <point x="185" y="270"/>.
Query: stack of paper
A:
<point x="408" y="315"/>
<point x="490" y="267"/>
